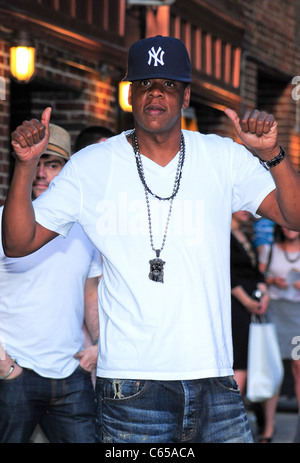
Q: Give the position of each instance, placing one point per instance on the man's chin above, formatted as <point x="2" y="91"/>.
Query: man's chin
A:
<point x="36" y="192"/>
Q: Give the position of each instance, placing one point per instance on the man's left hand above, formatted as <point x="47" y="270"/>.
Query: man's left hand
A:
<point x="88" y="358"/>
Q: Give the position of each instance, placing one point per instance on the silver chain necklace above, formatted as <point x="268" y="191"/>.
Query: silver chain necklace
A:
<point x="290" y="259"/>
<point x="157" y="264"/>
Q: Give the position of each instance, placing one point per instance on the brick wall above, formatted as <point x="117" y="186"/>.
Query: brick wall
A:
<point x="78" y="97"/>
<point x="270" y="32"/>
<point x="4" y="119"/>
<point x="270" y="61"/>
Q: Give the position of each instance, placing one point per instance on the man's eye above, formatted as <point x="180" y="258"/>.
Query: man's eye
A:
<point x="145" y="83"/>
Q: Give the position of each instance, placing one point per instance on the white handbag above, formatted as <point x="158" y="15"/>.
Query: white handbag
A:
<point x="265" y="366"/>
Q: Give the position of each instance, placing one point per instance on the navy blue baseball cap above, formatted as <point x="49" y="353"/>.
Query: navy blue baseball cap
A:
<point x="158" y="58"/>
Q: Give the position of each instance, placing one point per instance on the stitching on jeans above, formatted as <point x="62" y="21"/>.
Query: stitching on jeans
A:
<point x="117" y="388"/>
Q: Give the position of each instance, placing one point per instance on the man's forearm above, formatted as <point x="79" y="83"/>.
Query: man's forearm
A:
<point x="18" y="221"/>
<point x="288" y="192"/>
<point x="283" y="205"/>
<point x="91" y="318"/>
<point x="21" y="235"/>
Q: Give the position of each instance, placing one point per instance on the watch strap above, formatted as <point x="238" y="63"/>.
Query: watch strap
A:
<point x="273" y="162"/>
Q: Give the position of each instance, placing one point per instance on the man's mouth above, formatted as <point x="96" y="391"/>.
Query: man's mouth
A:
<point x="42" y="186"/>
<point x="154" y="110"/>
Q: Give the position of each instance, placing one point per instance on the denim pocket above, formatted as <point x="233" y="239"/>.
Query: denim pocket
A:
<point x="227" y="382"/>
<point x="120" y="389"/>
<point x="80" y="369"/>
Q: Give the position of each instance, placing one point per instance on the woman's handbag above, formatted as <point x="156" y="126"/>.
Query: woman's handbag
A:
<point x="265" y="367"/>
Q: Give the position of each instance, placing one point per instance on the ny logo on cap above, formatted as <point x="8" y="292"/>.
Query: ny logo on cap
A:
<point x="158" y="56"/>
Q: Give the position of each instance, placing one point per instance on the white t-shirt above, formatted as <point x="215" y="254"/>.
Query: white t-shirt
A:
<point x="179" y="329"/>
<point x="42" y="303"/>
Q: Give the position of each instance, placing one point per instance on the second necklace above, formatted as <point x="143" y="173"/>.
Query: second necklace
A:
<point x="157" y="264"/>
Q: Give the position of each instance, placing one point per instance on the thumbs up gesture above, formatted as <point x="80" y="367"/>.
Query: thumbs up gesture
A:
<point x="30" y="139"/>
<point x="258" y="131"/>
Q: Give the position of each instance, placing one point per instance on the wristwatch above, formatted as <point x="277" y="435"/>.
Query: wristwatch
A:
<point x="273" y="162"/>
<point x="257" y="294"/>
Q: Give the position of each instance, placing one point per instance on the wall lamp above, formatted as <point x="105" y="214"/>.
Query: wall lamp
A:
<point x="22" y="58"/>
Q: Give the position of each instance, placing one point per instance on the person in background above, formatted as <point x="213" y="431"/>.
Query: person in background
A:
<point x="281" y="264"/>
<point x="245" y="280"/>
<point x="157" y="202"/>
<point x="90" y="135"/>
<point x="45" y="376"/>
<point x="263" y="233"/>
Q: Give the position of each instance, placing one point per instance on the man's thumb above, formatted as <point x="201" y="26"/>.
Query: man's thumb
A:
<point x="232" y="115"/>
<point x="45" y="119"/>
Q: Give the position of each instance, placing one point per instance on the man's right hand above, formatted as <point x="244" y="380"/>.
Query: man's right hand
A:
<point x="30" y="139"/>
<point x="21" y="234"/>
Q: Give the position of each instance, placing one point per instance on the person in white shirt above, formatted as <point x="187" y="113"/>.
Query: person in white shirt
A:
<point x="280" y="262"/>
<point x="157" y="202"/>
<point x="44" y="299"/>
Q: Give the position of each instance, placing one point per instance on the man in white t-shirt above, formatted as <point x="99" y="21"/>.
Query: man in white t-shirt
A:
<point x="44" y="298"/>
<point x="157" y="202"/>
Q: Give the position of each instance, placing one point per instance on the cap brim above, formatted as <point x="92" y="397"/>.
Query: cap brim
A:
<point x="55" y="153"/>
<point x="129" y="78"/>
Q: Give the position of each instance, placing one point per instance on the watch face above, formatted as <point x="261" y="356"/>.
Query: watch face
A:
<point x="257" y="294"/>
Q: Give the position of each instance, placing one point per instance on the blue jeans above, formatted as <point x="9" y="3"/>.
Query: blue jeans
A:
<point x="64" y="408"/>
<point x="204" y="410"/>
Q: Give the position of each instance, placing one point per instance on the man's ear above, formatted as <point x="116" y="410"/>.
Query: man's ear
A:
<point x="186" y="97"/>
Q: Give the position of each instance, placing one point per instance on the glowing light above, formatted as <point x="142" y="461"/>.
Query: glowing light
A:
<point x="22" y="63"/>
<point x="123" y="96"/>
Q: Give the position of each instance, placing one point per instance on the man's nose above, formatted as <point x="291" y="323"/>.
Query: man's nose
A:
<point x="40" y="171"/>
<point x="156" y="89"/>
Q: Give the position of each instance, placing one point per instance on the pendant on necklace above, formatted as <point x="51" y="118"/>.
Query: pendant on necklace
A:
<point x="157" y="264"/>
<point x="157" y="268"/>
